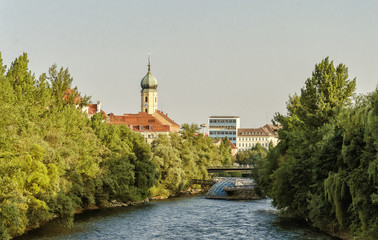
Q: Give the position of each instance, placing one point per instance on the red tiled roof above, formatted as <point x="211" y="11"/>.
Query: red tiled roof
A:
<point x="165" y="116"/>
<point x="92" y="110"/>
<point x="254" y="131"/>
<point x="71" y="93"/>
<point x="139" y="122"/>
<point x="272" y="128"/>
<point x="232" y="145"/>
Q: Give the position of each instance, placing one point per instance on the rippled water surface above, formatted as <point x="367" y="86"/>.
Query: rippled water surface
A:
<point x="182" y="218"/>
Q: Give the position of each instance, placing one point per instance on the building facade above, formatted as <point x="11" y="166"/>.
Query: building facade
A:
<point x="248" y="138"/>
<point x="224" y="126"/>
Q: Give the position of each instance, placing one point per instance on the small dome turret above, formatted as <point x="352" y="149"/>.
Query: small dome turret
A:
<point x="149" y="81"/>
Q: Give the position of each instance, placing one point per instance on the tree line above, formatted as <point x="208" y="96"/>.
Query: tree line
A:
<point x="324" y="169"/>
<point x="54" y="160"/>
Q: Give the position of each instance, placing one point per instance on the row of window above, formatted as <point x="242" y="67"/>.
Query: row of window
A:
<point x="222" y="120"/>
<point x="253" y="139"/>
<point x="252" y="133"/>
<point x="250" y="145"/>
<point x="220" y="126"/>
<point x="140" y="127"/>
<point x="222" y="132"/>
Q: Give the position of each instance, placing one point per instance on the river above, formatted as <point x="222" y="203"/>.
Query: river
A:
<point x="182" y="218"/>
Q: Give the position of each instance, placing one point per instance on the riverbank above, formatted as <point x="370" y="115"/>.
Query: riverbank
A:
<point x="188" y="192"/>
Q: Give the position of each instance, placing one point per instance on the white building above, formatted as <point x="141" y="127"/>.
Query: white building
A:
<point x="250" y="137"/>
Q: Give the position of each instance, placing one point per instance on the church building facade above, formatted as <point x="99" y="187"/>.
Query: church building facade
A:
<point x="150" y="122"/>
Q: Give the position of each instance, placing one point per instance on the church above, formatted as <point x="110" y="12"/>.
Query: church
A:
<point x="150" y="122"/>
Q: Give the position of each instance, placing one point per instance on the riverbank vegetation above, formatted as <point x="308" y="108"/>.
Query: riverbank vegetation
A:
<point x="252" y="156"/>
<point x="55" y="160"/>
<point x="183" y="158"/>
<point x="324" y="169"/>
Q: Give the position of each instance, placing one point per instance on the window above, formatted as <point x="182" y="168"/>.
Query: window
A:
<point x="150" y="127"/>
<point x="146" y="100"/>
<point x="140" y="128"/>
<point x="145" y="110"/>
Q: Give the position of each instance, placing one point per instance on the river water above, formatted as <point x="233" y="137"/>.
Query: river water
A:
<point x="182" y="218"/>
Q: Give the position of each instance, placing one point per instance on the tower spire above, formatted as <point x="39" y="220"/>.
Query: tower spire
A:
<point x="149" y="61"/>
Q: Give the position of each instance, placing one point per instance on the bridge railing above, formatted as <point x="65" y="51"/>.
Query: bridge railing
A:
<point x="231" y="166"/>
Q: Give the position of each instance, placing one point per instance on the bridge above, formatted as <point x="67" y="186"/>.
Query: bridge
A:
<point x="240" y="168"/>
<point x="246" y="170"/>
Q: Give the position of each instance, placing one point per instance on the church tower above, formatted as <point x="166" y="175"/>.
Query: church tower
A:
<point x="149" y="94"/>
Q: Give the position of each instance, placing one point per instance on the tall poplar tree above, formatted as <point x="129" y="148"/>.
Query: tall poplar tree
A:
<point x="324" y="94"/>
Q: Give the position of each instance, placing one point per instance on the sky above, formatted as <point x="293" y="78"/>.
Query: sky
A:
<point x="210" y="57"/>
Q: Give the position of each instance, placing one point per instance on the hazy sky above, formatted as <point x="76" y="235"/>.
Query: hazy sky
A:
<point x="210" y="57"/>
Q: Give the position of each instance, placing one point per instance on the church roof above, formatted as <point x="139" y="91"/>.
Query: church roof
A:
<point x="165" y="116"/>
<point x="149" y="81"/>
<point x="140" y="122"/>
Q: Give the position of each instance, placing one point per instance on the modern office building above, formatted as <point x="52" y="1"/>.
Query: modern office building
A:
<point x="224" y="126"/>
<point x="242" y="138"/>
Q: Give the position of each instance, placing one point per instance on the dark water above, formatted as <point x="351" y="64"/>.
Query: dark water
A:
<point x="183" y="218"/>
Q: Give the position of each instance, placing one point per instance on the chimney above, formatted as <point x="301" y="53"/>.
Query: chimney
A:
<point x="98" y="105"/>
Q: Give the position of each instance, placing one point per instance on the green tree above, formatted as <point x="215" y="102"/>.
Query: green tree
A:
<point x="189" y="131"/>
<point x="318" y="171"/>
<point x="53" y="159"/>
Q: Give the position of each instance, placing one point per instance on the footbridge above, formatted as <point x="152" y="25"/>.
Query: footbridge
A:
<point x="240" y="168"/>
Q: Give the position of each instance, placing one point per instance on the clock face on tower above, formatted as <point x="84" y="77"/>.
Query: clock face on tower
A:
<point x="146" y="104"/>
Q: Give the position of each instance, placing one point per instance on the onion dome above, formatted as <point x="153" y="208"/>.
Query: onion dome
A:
<point x="149" y="81"/>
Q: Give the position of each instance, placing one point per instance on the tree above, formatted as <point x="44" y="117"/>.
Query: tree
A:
<point x="189" y="131"/>
<point x="296" y="171"/>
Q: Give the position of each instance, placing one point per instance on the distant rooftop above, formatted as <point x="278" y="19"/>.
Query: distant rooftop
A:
<point x="224" y="117"/>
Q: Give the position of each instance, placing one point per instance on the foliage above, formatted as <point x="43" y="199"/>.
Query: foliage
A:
<point x="53" y="159"/>
<point x="183" y="158"/>
<point x="324" y="168"/>
<point x="252" y="156"/>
